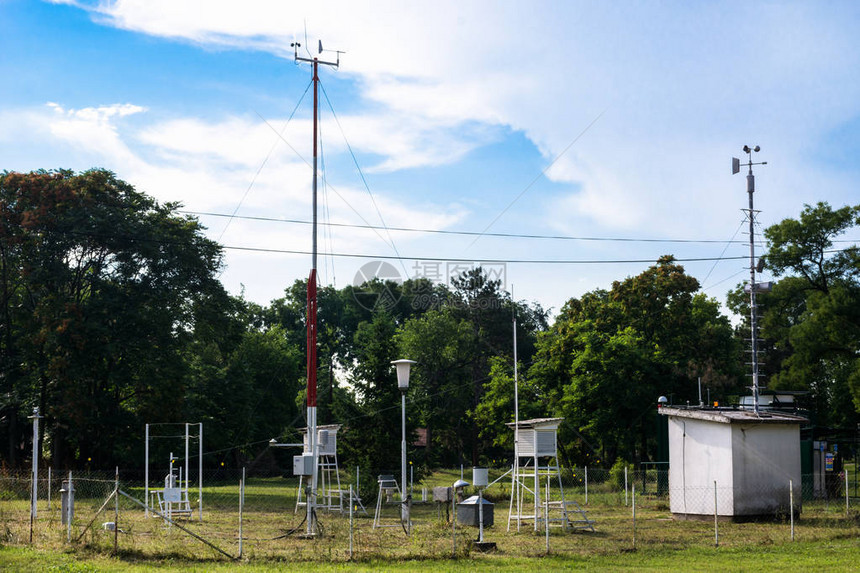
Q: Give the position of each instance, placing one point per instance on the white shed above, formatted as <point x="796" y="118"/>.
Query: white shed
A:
<point x="747" y="460"/>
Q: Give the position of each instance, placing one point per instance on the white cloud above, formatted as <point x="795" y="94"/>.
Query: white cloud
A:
<point x="210" y="167"/>
<point x="706" y="78"/>
<point x="93" y="128"/>
<point x="683" y="87"/>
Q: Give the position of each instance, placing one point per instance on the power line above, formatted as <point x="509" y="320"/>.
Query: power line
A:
<point x="467" y="233"/>
<point x="480" y="260"/>
<point x="413" y="258"/>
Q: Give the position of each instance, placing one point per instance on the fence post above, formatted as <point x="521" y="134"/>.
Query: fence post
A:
<point x="241" y="509"/>
<point x="716" y="528"/>
<point x="116" y="512"/>
<point x="634" y="515"/>
<point x="49" y="489"/>
<point x="791" y="505"/>
<point x="454" y="524"/>
<point x="69" y="509"/>
<point x="199" y="472"/>
<point x="34" y="492"/>
<point x="845" y="467"/>
<point x="625" y="485"/>
<point x="350" y="521"/>
<point x="586" y="485"/>
<point x="145" y="471"/>
<point x="546" y="513"/>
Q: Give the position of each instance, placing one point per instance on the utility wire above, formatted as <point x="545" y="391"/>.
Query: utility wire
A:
<point x="728" y="278"/>
<point x="431" y="259"/>
<point x="473" y="233"/>
<point x="482" y="260"/>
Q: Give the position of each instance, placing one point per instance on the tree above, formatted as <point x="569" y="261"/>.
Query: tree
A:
<point x="611" y="353"/>
<point x="102" y="288"/>
<point x="479" y="301"/>
<point x="372" y="436"/>
<point x="440" y="390"/>
<point x="496" y="409"/>
<point x="805" y="247"/>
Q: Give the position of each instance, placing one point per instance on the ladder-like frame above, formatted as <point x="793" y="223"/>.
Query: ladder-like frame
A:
<point x="388" y="486"/>
<point x="561" y="512"/>
<point x="527" y="481"/>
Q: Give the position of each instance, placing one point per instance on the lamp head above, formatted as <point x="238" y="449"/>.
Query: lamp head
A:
<point x="403" y="366"/>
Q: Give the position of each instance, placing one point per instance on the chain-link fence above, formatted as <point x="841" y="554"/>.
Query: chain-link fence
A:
<point x="228" y="515"/>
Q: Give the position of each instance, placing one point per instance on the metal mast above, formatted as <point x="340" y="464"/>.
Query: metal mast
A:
<point x="515" y="482"/>
<point x="312" y="304"/>
<point x="751" y="213"/>
<point x="516" y="386"/>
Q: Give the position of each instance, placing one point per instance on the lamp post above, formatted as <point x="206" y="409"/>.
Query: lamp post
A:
<point x="403" y="366"/>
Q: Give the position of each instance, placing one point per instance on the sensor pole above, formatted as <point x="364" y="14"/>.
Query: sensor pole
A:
<point x="751" y="213"/>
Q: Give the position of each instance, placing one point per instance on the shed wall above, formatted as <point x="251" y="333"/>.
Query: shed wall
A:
<point x="766" y="457"/>
<point x="700" y="452"/>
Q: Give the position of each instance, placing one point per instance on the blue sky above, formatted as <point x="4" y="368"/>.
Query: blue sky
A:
<point x="583" y="119"/>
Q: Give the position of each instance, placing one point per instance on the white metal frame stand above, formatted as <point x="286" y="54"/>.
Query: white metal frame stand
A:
<point x="388" y="486"/>
<point x="536" y="441"/>
<point x="183" y="485"/>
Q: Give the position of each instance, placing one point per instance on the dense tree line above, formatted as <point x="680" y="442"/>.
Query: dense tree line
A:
<point x="112" y="316"/>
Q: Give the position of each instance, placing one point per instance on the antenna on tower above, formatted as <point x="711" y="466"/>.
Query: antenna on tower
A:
<point x="753" y="286"/>
<point x="306" y="38"/>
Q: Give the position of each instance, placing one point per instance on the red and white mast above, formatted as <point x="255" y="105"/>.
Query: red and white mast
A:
<point x="312" y="304"/>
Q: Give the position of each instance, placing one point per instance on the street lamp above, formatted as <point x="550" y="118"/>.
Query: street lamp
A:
<point x="403" y="366"/>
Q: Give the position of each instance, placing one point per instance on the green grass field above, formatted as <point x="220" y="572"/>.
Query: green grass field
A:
<point x="835" y="555"/>
<point x="825" y="537"/>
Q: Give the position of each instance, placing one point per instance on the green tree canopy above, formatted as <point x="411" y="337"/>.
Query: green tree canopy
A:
<point x="101" y="289"/>
<point x="610" y="354"/>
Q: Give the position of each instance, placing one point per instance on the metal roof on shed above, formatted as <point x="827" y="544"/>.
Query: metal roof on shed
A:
<point x="537" y="423"/>
<point x="733" y="416"/>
